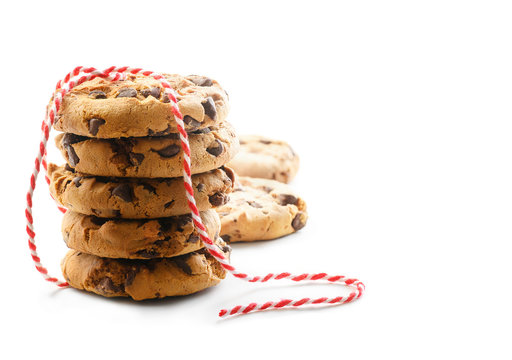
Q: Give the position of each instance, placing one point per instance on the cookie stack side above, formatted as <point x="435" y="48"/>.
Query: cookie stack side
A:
<point x="128" y="224"/>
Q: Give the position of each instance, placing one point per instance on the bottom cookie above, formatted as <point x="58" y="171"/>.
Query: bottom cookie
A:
<point x="143" y="279"/>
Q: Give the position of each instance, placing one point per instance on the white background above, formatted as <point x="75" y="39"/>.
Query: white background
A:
<point x="401" y="113"/>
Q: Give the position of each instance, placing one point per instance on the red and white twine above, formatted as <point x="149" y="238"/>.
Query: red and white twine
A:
<point x="81" y="74"/>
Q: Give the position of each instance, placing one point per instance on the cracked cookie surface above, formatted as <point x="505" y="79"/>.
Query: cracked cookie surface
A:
<point x="261" y="209"/>
<point x="266" y="158"/>
<point x="136" y="238"/>
<point x="144" y="279"/>
<point x="136" y="198"/>
<point x="138" y="107"/>
<point x="149" y="156"/>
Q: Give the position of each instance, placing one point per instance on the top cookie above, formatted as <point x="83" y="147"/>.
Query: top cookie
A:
<point x="138" y="107"/>
<point x="261" y="157"/>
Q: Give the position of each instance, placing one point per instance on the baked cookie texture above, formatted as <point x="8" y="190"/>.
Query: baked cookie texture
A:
<point x="149" y="156"/>
<point x="136" y="239"/>
<point x="143" y="279"/>
<point x="261" y="209"/>
<point x="262" y="157"/>
<point x="138" y="107"/>
<point x="136" y="198"/>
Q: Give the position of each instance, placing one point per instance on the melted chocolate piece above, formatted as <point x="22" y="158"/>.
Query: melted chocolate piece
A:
<point x="216" y="149"/>
<point x="226" y="238"/>
<point x="135" y="158"/>
<point x="130" y="276"/>
<point x="127" y="92"/>
<point x="297" y="223"/>
<point x="148" y="253"/>
<point x="166" y="224"/>
<point x="159" y="133"/>
<point x="149" y="188"/>
<point x="193" y="239"/>
<point x="254" y="204"/>
<point x="69" y="168"/>
<point x="218" y="199"/>
<point x="124" y="192"/>
<point x="154" y="91"/>
<point x="98" y="221"/>
<point x="190" y="121"/>
<point x="94" y="125"/>
<point x="200" y="80"/>
<point x="169" y="151"/>
<point x="285" y="199"/>
<point x="97" y="94"/>
<point x="182" y="264"/>
<point x="169" y="204"/>
<point x="107" y="286"/>
<point x="200" y="187"/>
<point x="209" y="108"/>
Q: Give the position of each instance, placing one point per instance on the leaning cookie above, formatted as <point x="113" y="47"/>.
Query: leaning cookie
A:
<point x="136" y="198"/>
<point x="138" y="106"/>
<point x="149" y="156"/>
<point x="136" y="239"/>
<point x="143" y="279"/>
<point x="261" y="209"/>
<point x="265" y="158"/>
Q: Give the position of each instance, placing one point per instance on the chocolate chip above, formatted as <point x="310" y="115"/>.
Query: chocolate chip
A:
<point x="254" y="204"/>
<point x="123" y="191"/>
<point x="107" y="286"/>
<point x="166" y="224"/>
<point x="97" y="94"/>
<point x="193" y="239"/>
<point x="266" y="142"/>
<point x="297" y="223"/>
<point x="267" y="189"/>
<point x="182" y="264"/>
<point x="218" y="199"/>
<point x="226" y="249"/>
<point x="200" y="187"/>
<point x="73" y="158"/>
<point x="76" y="181"/>
<point x="191" y="122"/>
<point x="183" y="221"/>
<point x="154" y="91"/>
<point x="148" y="253"/>
<point x="216" y="149"/>
<point x="200" y="80"/>
<point x="135" y="159"/>
<point x="160" y="133"/>
<point x="127" y="92"/>
<point x="226" y="238"/>
<point x="130" y="276"/>
<point x="69" y="139"/>
<point x="169" y="204"/>
<point x="149" y="188"/>
<point x="98" y="221"/>
<point x="169" y="151"/>
<point x="286" y="199"/>
<point x="201" y="131"/>
<point x="94" y="125"/>
<point x="69" y="168"/>
<point x="209" y="108"/>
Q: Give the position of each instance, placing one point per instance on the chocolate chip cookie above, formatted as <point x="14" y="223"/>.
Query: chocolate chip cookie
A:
<point x="136" y="198"/>
<point x="261" y="209"/>
<point x="265" y="158"/>
<point x="149" y="156"/>
<point x="143" y="279"/>
<point x="136" y="239"/>
<point x="137" y="106"/>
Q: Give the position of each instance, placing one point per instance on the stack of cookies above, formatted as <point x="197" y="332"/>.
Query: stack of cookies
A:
<point x="128" y="224"/>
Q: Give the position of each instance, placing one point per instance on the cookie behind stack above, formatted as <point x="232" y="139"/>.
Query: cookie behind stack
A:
<point x="128" y="224"/>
